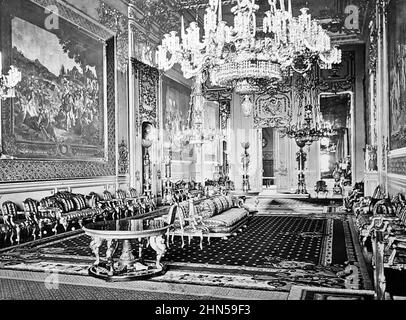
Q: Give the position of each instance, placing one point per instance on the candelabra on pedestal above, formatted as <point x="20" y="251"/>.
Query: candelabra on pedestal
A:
<point x="301" y="158"/>
<point x="245" y="159"/>
<point x="308" y="129"/>
<point x="168" y="187"/>
<point x="337" y="189"/>
<point x="147" y="168"/>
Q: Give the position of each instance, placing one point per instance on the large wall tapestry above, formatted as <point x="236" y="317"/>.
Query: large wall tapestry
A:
<point x="175" y="103"/>
<point x="58" y="111"/>
<point x="397" y="70"/>
<point x="64" y="109"/>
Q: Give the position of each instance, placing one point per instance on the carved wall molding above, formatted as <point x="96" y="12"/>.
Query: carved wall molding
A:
<point x="123" y="162"/>
<point x="272" y="111"/>
<point x="225" y="113"/>
<point x="75" y="16"/>
<point x="117" y="22"/>
<point x="157" y="14"/>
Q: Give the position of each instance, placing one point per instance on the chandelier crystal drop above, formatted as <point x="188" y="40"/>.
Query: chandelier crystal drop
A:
<point x="248" y="57"/>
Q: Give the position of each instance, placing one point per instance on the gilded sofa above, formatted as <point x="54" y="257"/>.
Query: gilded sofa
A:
<point x="68" y="209"/>
<point x="219" y="216"/>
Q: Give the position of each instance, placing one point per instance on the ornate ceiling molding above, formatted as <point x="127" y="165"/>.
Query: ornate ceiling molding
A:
<point x="78" y="18"/>
<point x="117" y="22"/>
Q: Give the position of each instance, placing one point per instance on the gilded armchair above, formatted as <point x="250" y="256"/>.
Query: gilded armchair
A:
<point x="18" y="221"/>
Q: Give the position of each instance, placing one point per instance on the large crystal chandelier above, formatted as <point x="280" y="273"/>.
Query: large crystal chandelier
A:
<point x="245" y="57"/>
<point x="310" y="127"/>
<point x="307" y="125"/>
<point x="8" y="81"/>
<point x="195" y="133"/>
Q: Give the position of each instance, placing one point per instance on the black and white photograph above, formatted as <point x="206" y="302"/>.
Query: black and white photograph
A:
<point x="212" y="157"/>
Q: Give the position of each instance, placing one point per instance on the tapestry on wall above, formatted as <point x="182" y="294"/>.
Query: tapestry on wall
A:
<point x="175" y="102"/>
<point x="65" y="105"/>
<point x="397" y="73"/>
<point x="59" y="108"/>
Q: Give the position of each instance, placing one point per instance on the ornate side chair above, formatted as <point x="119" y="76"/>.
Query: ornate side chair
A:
<point x="110" y="204"/>
<point x="390" y="219"/>
<point x="5" y="228"/>
<point x="366" y="204"/>
<point x="151" y="204"/>
<point x="107" y="209"/>
<point x="133" y="204"/>
<point x="354" y="196"/>
<point x="321" y="187"/>
<point x="189" y="223"/>
<point x="121" y="203"/>
<point x="143" y="204"/>
<point x="18" y="221"/>
<point x="32" y="207"/>
<point x="169" y="219"/>
<point x="93" y="201"/>
<point x="49" y="212"/>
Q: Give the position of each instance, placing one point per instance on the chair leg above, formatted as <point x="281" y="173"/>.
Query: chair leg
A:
<point x="6" y="234"/>
<point x="65" y="224"/>
<point x="167" y="239"/>
<point x="40" y="226"/>
<point x="34" y="232"/>
<point x="18" y="230"/>
<point x="55" y="228"/>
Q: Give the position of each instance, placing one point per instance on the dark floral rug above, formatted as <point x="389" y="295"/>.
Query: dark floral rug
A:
<point x="272" y="253"/>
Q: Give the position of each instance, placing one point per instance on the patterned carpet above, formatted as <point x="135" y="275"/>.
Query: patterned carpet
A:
<point x="12" y="289"/>
<point x="273" y="253"/>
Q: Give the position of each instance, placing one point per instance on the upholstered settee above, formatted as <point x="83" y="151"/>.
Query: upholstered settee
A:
<point x="221" y="215"/>
<point x="69" y="209"/>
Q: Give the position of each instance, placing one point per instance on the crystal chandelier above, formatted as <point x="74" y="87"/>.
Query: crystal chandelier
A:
<point x="9" y="81"/>
<point x="195" y="133"/>
<point x="245" y="57"/>
<point x="310" y="127"/>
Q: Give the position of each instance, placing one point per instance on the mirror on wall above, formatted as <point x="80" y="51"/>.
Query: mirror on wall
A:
<point x="335" y="151"/>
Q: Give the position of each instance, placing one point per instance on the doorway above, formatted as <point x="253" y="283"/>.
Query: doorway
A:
<point x="336" y="150"/>
<point x="268" y="158"/>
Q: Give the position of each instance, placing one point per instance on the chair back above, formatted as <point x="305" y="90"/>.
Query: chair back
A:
<point x="120" y="194"/>
<point x="107" y="195"/>
<point x="31" y="205"/>
<point x="133" y="193"/>
<point x="9" y="208"/>
<point x="172" y="214"/>
<point x="378" y="193"/>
